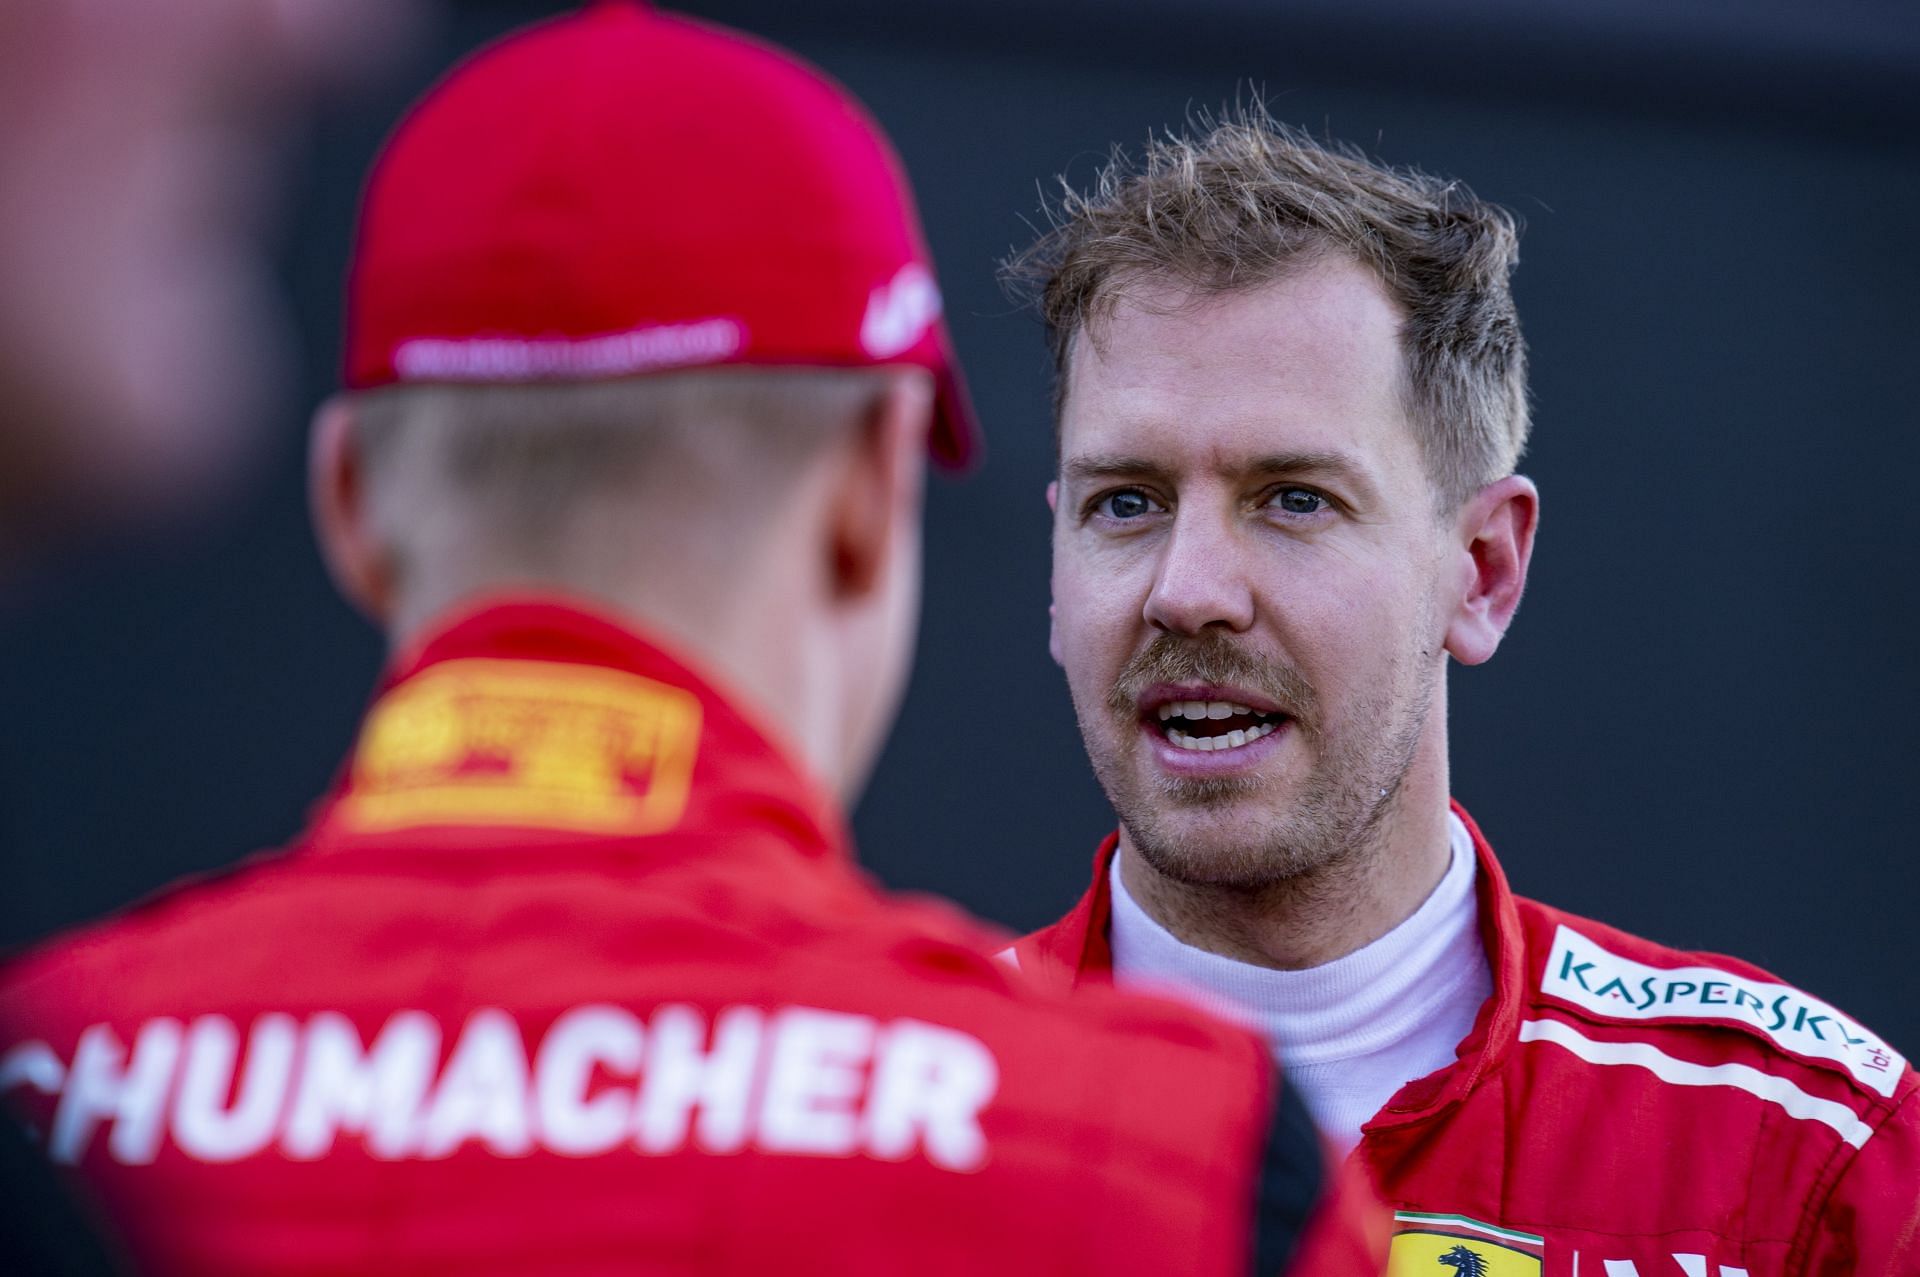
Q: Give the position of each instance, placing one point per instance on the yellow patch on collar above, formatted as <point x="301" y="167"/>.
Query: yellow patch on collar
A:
<point x="525" y="743"/>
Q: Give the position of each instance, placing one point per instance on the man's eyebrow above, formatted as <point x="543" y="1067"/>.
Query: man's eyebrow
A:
<point x="1102" y="466"/>
<point x="1120" y="466"/>
<point x="1337" y="464"/>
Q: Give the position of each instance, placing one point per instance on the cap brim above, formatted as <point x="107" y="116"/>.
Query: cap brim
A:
<point x="956" y="443"/>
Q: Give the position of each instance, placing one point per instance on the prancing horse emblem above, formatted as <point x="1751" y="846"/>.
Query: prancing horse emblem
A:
<point x="1465" y="1262"/>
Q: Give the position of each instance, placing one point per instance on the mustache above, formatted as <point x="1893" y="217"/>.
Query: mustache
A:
<point x="1212" y="658"/>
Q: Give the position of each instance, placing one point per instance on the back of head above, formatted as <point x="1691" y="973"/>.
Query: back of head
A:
<point x="586" y="485"/>
<point x="629" y="297"/>
<point x="621" y="193"/>
<point x="1243" y="200"/>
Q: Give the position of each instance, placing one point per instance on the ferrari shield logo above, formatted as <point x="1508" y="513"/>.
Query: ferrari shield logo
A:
<point x="1454" y="1246"/>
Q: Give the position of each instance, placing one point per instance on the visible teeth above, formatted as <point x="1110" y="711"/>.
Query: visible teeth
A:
<point x="1203" y="711"/>
<point x="1231" y="740"/>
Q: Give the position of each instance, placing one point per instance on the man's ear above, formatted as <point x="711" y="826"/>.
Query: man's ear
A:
<point x="356" y="557"/>
<point x="876" y="499"/>
<point x="1494" y="544"/>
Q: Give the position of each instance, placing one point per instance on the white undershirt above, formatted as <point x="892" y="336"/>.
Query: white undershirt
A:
<point x="1349" y="1033"/>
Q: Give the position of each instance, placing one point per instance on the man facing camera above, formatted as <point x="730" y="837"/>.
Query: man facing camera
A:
<point x="1291" y="398"/>
<point x="573" y="971"/>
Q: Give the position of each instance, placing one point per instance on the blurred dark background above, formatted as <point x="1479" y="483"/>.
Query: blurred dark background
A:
<point x="1703" y="726"/>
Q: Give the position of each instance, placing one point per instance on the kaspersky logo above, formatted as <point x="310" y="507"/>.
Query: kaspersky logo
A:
<point x="1616" y="987"/>
<point x="1429" y="1245"/>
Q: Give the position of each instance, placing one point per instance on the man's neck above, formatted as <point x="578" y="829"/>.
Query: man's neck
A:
<point x="1313" y="918"/>
<point x="777" y="672"/>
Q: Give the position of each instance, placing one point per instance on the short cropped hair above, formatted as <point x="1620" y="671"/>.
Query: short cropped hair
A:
<point x="1249" y="199"/>
<point x="537" y="475"/>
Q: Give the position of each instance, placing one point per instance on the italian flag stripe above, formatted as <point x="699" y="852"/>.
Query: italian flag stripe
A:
<point x="1461" y="1221"/>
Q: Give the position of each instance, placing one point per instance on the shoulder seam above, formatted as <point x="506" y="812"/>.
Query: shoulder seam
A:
<point x="1671" y="1069"/>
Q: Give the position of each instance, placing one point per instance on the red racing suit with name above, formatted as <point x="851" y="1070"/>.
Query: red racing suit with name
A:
<point x="573" y="973"/>
<point x="1622" y="1109"/>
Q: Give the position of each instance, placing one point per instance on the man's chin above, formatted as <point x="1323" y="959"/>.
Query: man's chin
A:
<point x="1202" y="796"/>
<point x="1217" y="843"/>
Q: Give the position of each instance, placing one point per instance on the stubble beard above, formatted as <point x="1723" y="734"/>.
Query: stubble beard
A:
<point x="1217" y="832"/>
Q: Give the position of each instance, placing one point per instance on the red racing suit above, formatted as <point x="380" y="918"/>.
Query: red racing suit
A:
<point x="573" y="973"/>
<point x="1622" y="1109"/>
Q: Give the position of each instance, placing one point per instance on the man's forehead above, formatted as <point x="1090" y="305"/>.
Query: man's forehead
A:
<point x="1307" y="364"/>
<point x="1327" y="311"/>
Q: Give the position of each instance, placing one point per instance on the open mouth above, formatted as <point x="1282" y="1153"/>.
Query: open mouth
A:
<point x="1206" y="726"/>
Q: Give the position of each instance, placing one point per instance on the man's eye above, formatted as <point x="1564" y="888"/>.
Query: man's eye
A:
<point x="1299" y="501"/>
<point x="1125" y="504"/>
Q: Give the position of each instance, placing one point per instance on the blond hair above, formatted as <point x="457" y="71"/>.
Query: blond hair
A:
<point x="1250" y="199"/>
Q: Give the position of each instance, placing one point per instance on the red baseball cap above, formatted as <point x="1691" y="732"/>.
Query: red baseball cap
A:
<point x="621" y="191"/>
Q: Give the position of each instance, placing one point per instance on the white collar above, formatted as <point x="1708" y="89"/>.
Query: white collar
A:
<point x="1356" y="1005"/>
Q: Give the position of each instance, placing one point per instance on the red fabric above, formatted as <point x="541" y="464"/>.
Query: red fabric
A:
<point x="619" y="191"/>
<point x="426" y="912"/>
<point x="1683" y="1175"/>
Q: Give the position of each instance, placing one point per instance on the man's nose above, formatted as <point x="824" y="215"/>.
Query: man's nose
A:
<point x="1202" y="580"/>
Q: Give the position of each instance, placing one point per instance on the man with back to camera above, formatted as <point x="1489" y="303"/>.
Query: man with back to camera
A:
<point x="1291" y="394"/>
<point x="572" y="971"/>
